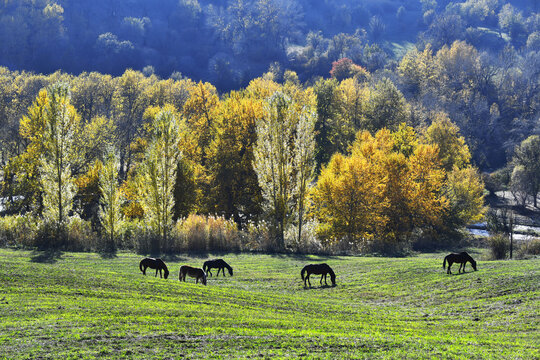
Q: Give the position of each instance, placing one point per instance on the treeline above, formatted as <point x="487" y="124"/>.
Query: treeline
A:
<point x="157" y="165"/>
<point x="477" y="61"/>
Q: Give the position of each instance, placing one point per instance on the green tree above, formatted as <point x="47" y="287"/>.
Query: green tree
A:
<point x="527" y="155"/>
<point x="327" y="103"/>
<point x="386" y="108"/>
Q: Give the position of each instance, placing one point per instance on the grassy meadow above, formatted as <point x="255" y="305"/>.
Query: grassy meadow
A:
<point x="80" y="305"/>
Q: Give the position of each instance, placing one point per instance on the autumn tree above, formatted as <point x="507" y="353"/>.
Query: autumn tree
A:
<point x="129" y="104"/>
<point x="235" y="191"/>
<point x="275" y="154"/>
<point x="111" y="200"/>
<point x="158" y="175"/>
<point x="200" y="111"/>
<point x="453" y="151"/>
<point x="60" y="123"/>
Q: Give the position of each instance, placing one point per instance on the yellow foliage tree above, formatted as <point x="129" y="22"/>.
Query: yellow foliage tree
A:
<point x="378" y="193"/>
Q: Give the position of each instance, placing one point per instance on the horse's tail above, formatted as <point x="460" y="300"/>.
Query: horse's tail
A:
<point x="302" y="273"/>
<point x="444" y="262"/>
<point x="205" y="266"/>
<point x="141" y="265"/>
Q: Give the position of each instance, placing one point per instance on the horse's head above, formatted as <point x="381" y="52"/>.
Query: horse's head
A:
<point x="166" y="273"/>
<point x="333" y="278"/>
<point x="473" y="264"/>
<point x="230" y="271"/>
<point x="203" y="280"/>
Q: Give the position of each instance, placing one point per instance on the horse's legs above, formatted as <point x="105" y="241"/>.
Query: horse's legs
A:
<point x="307" y="277"/>
<point x="449" y="266"/>
<point x="325" y="283"/>
<point x="156" y="272"/>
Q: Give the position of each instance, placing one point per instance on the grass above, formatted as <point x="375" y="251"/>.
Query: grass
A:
<point x="79" y="305"/>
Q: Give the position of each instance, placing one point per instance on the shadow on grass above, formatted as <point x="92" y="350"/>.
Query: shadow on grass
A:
<point x="322" y="287"/>
<point x="46" y="256"/>
<point x="304" y="257"/>
<point x="108" y="254"/>
<point x="173" y="258"/>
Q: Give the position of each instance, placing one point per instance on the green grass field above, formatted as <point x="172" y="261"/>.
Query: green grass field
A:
<point x="84" y="306"/>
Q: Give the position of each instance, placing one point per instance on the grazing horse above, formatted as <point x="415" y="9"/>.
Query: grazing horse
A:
<point x="152" y="263"/>
<point x="220" y="264"/>
<point x="318" y="269"/>
<point x="193" y="272"/>
<point x="462" y="258"/>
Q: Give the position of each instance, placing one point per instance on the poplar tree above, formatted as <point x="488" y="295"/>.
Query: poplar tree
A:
<point x="110" y="213"/>
<point x="60" y="125"/>
<point x="158" y="175"/>
<point x="304" y="162"/>
<point x="284" y="157"/>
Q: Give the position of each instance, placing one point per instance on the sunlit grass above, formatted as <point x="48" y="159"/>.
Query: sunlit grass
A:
<point x="81" y="305"/>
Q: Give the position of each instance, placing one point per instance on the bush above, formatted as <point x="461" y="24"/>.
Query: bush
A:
<point x="528" y="248"/>
<point x="136" y="237"/>
<point x="308" y="244"/>
<point x="205" y="233"/>
<point x="18" y="231"/>
<point x="80" y="236"/>
<point x="499" y="246"/>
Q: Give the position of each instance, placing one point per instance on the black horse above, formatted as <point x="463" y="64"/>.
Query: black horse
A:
<point x="462" y="258"/>
<point x="152" y="263"/>
<point x="220" y="264"/>
<point x="318" y="269"/>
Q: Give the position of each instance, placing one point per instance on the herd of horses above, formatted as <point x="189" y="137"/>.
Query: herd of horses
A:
<point x="461" y="258"/>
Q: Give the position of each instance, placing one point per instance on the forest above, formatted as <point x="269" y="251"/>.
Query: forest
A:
<point x="274" y="125"/>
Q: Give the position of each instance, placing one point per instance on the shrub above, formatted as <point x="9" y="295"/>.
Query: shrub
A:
<point x="530" y="247"/>
<point x="18" y="231"/>
<point x="499" y="246"/>
<point x="80" y="236"/>
<point x="205" y="233"/>
<point x="308" y="243"/>
<point x="135" y="237"/>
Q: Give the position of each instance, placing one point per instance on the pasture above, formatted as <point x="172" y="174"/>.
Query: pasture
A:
<point x="83" y="306"/>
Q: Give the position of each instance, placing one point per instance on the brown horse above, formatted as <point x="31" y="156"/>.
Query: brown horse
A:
<point x="462" y="258"/>
<point x="219" y="264"/>
<point x="318" y="269"/>
<point x="193" y="272"/>
<point x="152" y="263"/>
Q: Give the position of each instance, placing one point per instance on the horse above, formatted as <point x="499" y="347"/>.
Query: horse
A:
<point x="193" y="272"/>
<point x="220" y="264"/>
<point x="462" y="258"/>
<point x="318" y="269"/>
<point x="152" y="263"/>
